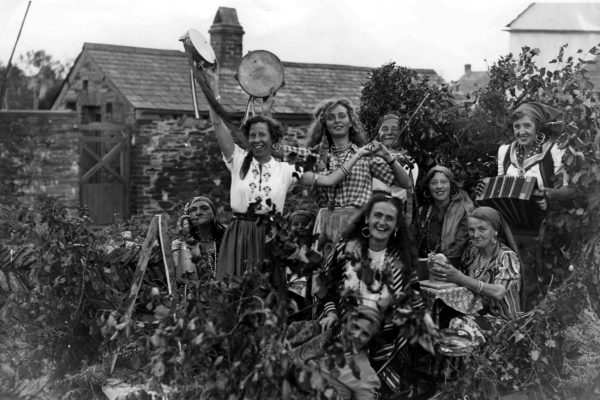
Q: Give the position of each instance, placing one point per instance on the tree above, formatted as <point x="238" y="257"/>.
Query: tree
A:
<point x="45" y="77"/>
<point x="18" y="95"/>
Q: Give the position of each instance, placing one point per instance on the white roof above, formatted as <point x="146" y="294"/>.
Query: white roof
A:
<point x="558" y="17"/>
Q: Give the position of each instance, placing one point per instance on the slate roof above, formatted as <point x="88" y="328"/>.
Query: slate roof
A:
<point x="154" y="79"/>
<point x="583" y="17"/>
<point x="472" y="81"/>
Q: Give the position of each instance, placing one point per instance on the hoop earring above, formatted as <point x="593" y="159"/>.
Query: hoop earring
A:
<point x="540" y="138"/>
<point x="365" y="235"/>
<point x="494" y="240"/>
<point x="427" y="194"/>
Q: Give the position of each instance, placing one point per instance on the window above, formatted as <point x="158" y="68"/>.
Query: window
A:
<point x="71" y="105"/>
<point x="85" y="84"/>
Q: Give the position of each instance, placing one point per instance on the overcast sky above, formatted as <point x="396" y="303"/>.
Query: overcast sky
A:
<point x="439" y="34"/>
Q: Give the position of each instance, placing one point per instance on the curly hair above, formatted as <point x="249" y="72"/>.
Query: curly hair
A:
<point x="275" y="130"/>
<point x="318" y="130"/>
<point x="403" y="242"/>
<point x="540" y="126"/>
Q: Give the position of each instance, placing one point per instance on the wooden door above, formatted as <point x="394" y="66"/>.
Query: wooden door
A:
<point x="104" y="171"/>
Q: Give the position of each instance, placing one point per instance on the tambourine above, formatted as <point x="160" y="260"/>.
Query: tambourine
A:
<point x="199" y="48"/>
<point x="259" y="74"/>
<point x="201" y="55"/>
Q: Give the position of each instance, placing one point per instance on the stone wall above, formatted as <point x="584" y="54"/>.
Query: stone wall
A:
<point x="173" y="160"/>
<point x="54" y="138"/>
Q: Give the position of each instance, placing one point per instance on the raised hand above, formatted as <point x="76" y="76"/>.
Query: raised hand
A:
<point x="369" y="149"/>
<point x="183" y="225"/>
<point x="268" y="102"/>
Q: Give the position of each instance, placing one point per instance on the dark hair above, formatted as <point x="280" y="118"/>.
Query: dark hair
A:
<point x="454" y="186"/>
<point x="540" y="126"/>
<point x="275" y="130"/>
<point x="403" y="243"/>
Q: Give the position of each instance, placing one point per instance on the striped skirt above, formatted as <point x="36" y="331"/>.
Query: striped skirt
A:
<point x="243" y="246"/>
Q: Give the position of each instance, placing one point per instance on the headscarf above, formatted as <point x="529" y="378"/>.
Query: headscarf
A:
<point x="498" y="223"/>
<point x="540" y="112"/>
<point x="302" y="213"/>
<point x="370" y="313"/>
<point x="186" y="208"/>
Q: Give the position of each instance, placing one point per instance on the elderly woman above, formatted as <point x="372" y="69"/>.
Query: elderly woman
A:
<point x="380" y="274"/>
<point x="492" y="269"/>
<point x="441" y="222"/>
<point x="259" y="183"/>
<point x="335" y="137"/>
<point x="388" y="129"/>
<point x="534" y="153"/>
<point x="195" y="250"/>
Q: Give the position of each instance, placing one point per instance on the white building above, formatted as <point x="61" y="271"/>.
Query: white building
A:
<point x="547" y="26"/>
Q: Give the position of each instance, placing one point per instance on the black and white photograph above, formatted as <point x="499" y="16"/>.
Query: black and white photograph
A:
<point x="297" y="200"/>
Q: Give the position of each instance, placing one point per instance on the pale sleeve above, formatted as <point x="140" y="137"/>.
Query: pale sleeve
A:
<point x="414" y="172"/>
<point x="234" y="164"/>
<point x="293" y="174"/>
<point x="557" y="158"/>
<point x="502" y="150"/>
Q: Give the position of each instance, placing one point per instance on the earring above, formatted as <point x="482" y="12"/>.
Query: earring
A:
<point x="540" y="138"/>
<point x="365" y="235"/>
<point x="427" y="194"/>
<point x="494" y="240"/>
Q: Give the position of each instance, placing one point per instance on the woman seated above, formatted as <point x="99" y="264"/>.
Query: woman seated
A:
<point x="388" y="129"/>
<point x="441" y="223"/>
<point x="379" y="271"/>
<point x="200" y="233"/>
<point x="492" y="270"/>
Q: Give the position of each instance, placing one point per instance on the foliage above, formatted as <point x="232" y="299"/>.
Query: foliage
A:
<point x="398" y="89"/>
<point x="16" y="154"/>
<point x="18" y="94"/>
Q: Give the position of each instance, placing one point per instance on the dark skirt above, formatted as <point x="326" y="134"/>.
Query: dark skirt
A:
<point x="243" y="245"/>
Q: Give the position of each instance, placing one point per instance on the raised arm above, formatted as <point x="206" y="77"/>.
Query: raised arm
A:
<point x="224" y="138"/>
<point x="400" y="174"/>
<point x="314" y="179"/>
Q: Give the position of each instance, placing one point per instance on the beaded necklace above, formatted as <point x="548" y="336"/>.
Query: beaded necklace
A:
<point x="521" y="156"/>
<point x="424" y="234"/>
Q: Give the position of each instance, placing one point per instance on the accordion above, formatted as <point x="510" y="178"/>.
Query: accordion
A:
<point x="515" y="198"/>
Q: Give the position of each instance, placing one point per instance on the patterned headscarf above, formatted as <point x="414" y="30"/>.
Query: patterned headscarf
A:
<point x="540" y="112"/>
<point x="498" y="223"/>
<point x="186" y="208"/>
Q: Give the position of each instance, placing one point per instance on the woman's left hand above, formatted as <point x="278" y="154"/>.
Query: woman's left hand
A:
<point x="444" y="271"/>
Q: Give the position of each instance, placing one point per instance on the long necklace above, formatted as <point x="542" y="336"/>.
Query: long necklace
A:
<point x="211" y="259"/>
<point x="424" y="236"/>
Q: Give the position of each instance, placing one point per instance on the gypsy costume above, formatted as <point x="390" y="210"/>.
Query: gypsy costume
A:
<point x="504" y="268"/>
<point x="384" y="281"/>
<point x="543" y="162"/>
<point x="444" y="230"/>
<point x="252" y="198"/>
<point x="340" y="203"/>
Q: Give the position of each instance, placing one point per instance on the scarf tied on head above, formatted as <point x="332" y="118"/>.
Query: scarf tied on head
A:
<point x="498" y="223"/>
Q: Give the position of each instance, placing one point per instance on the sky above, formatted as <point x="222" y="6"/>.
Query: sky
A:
<point x="443" y="35"/>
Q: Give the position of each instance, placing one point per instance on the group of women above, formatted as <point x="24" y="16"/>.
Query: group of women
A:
<point x="366" y="194"/>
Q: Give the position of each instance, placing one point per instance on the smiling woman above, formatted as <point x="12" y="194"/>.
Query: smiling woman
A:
<point x="441" y="223"/>
<point x="375" y="262"/>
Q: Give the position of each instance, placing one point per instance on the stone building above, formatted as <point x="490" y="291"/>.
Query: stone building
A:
<point x="141" y="149"/>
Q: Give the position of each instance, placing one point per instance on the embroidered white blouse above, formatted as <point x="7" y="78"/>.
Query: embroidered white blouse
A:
<point x="271" y="180"/>
<point x="531" y="165"/>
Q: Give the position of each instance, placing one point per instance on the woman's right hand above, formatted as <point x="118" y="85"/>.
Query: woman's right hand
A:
<point x="183" y="225"/>
<point x="328" y="321"/>
<point x="368" y="149"/>
<point x="210" y="77"/>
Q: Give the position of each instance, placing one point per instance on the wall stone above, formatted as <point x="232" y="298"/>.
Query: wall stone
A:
<point x="54" y="170"/>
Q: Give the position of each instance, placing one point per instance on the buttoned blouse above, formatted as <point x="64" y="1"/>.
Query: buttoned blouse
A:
<point x="265" y="184"/>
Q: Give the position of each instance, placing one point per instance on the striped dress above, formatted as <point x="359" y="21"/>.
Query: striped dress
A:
<point x="503" y="268"/>
<point x="401" y="281"/>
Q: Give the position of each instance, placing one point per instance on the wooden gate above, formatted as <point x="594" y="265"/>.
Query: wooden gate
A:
<point x="104" y="171"/>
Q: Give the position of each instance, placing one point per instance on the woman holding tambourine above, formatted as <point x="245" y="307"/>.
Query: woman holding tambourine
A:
<point x="259" y="182"/>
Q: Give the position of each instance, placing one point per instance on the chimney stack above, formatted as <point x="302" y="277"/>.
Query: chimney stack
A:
<point x="226" y="38"/>
<point x="467" y="68"/>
